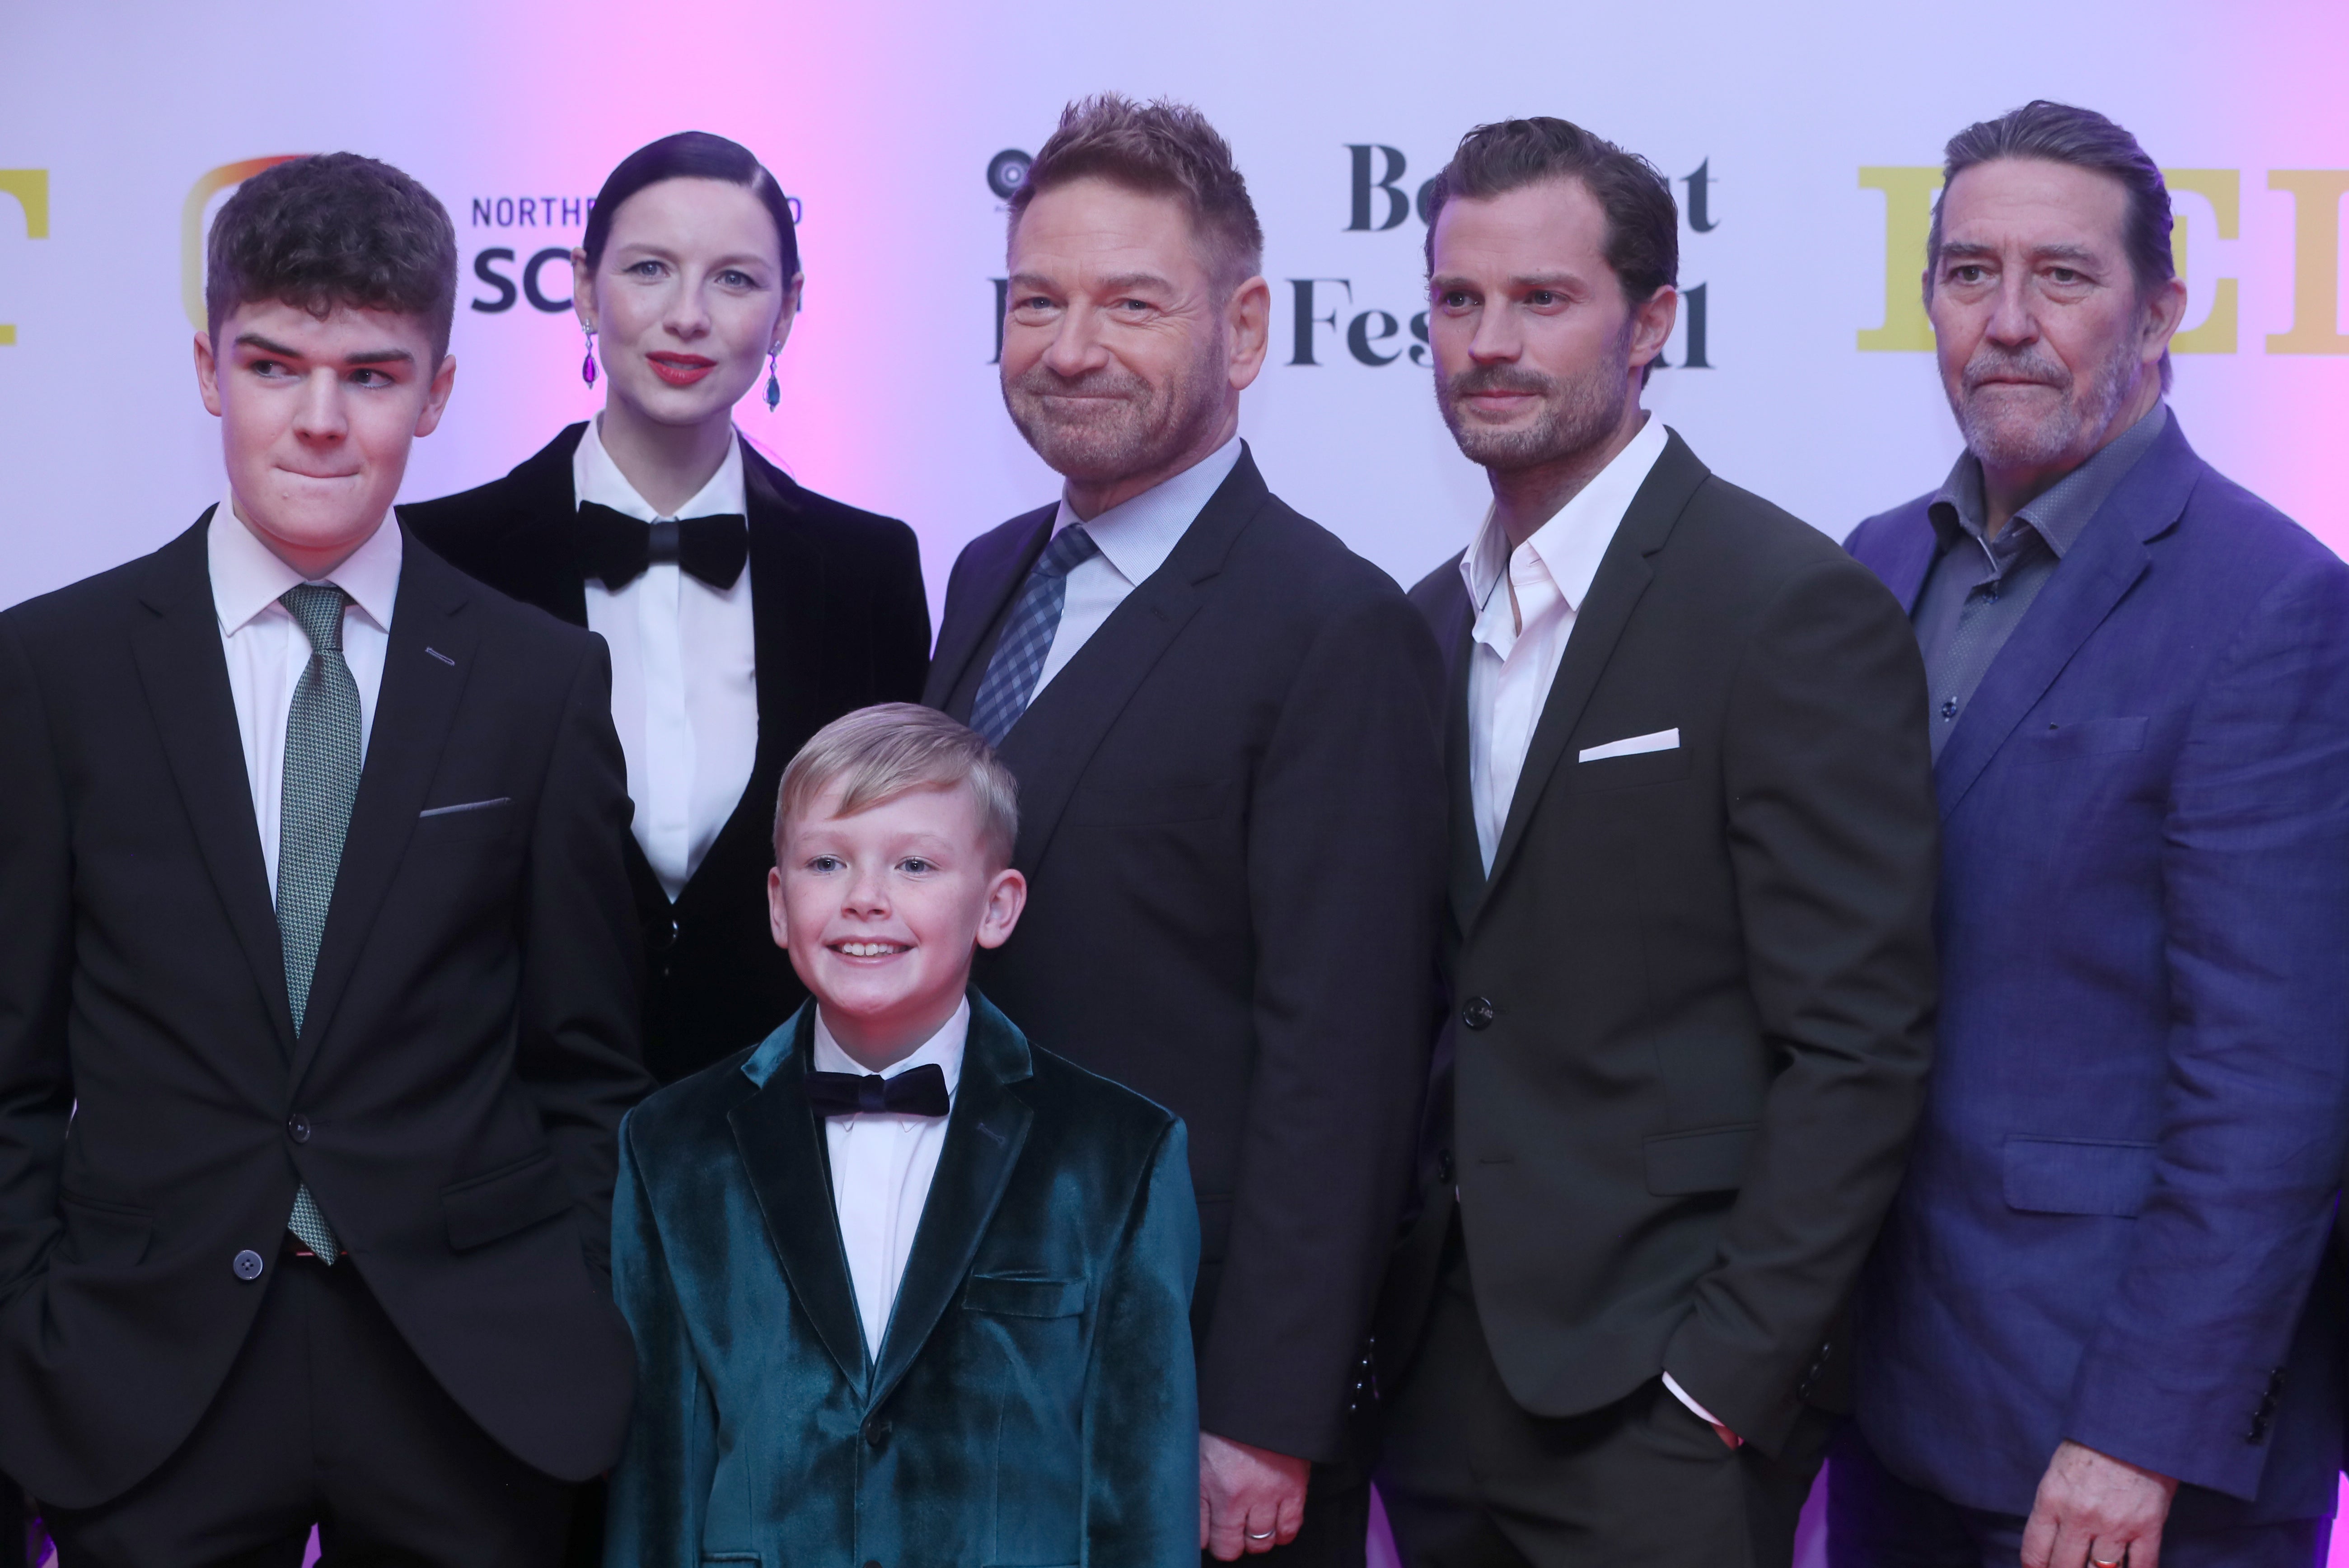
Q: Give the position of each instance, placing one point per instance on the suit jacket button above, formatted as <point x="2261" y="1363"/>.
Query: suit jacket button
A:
<point x="247" y="1265"/>
<point x="297" y="1127"/>
<point x="876" y="1432"/>
<point x="1478" y="1013"/>
<point x="1444" y="1166"/>
<point x="665" y="936"/>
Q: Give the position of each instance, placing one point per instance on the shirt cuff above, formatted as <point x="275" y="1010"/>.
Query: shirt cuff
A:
<point x="1707" y="1416"/>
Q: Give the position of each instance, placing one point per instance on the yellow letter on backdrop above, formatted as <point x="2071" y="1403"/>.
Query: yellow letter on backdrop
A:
<point x="1907" y="220"/>
<point x="2224" y="188"/>
<point x="2315" y="261"/>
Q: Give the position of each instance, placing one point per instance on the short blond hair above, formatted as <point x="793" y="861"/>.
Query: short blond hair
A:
<point x="876" y="753"/>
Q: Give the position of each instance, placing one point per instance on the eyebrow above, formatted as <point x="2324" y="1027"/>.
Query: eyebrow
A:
<point x="1449" y="281"/>
<point x="365" y="355"/>
<point x="646" y="250"/>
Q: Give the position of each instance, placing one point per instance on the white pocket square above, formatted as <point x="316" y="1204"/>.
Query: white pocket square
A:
<point x="1663" y="740"/>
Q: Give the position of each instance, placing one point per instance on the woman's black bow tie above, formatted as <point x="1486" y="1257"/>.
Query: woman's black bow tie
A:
<point x="617" y="548"/>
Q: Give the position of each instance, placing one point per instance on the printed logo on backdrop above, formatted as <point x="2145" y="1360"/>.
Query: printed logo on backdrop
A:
<point x="2215" y="211"/>
<point x="30" y="186"/>
<point x="1326" y="319"/>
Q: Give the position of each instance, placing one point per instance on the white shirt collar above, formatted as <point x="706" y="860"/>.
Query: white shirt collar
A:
<point x="944" y="1049"/>
<point x="1136" y="536"/>
<point x="1571" y="544"/>
<point x="248" y="576"/>
<point x="596" y="477"/>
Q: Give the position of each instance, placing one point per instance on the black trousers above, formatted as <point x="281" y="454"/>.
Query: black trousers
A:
<point x="1472" y="1480"/>
<point x="327" y="1418"/>
<point x="1875" y="1519"/>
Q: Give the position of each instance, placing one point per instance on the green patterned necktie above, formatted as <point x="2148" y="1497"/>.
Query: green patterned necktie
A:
<point x="322" y="781"/>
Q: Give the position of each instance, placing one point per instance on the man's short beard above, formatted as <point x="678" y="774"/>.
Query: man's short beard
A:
<point x="2086" y="413"/>
<point x="1576" y="415"/>
<point x="1124" y="425"/>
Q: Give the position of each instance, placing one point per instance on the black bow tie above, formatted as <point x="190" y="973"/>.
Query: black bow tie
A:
<point x="617" y="548"/>
<point x="917" y="1091"/>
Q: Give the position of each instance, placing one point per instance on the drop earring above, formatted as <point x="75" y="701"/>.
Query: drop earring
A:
<point x="587" y="365"/>
<point x="774" y="389"/>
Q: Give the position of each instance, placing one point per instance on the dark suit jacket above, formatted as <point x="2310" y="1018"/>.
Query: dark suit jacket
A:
<point x="2124" y="1179"/>
<point x="1693" y="1001"/>
<point x="1032" y="1402"/>
<point x="1231" y="821"/>
<point x="467" y="1053"/>
<point x="842" y="624"/>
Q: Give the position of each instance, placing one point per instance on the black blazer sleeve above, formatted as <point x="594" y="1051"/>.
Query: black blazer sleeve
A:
<point x="901" y="639"/>
<point x="583" y="960"/>
<point x="1833" y="841"/>
<point x="1346" y="839"/>
<point x="36" y="1093"/>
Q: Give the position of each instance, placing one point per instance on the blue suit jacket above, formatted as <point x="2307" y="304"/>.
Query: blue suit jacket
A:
<point x="1033" y="1400"/>
<point x="2122" y="1187"/>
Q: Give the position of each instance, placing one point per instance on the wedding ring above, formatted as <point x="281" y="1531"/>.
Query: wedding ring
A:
<point x="2102" y="1562"/>
<point x="1252" y="1535"/>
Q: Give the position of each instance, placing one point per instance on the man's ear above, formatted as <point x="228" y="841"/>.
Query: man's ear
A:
<point x="1006" y="895"/>
<point x="1248" y="316"/>
<point x="436" y="396"/>
<point x="1652" y="325"/>
<point x="2163" y="312"/>
<point x="208" y="372"/>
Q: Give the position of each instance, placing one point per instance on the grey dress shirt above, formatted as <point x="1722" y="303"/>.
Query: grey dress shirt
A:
<point x="1980" y="588"/>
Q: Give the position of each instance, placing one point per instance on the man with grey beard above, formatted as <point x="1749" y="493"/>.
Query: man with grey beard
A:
<point x="1690" y="944"/>
<point x="1231" y="798"/>
<point x="2102" y="1323"/>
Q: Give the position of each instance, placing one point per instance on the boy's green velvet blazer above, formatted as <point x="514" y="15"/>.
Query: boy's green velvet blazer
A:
<point x="1034" y="1402"/>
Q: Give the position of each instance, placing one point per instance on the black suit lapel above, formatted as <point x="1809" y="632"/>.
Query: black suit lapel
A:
<point x="1623" y="576"/>
<point x="185" y="675"/>
<point x="992" y="570"/>
<point x="2104" y="564"/>
<point x="414" y="711"/>
<point x="1049" y="746"/>
<point x="983" y="1136"/>
<point x="1454" y="628"/>
<point x="780" y="1138"/>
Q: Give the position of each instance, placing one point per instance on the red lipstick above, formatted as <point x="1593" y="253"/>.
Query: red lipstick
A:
<point x="680" y="369"/>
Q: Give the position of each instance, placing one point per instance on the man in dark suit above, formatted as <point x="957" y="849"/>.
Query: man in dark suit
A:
<point x="317" y="980"/>
<point x="1230" y="792"/>
<point x="1692" y="863"/>
<point x="2102" y="1321"/>
<point x="839" y="623"/>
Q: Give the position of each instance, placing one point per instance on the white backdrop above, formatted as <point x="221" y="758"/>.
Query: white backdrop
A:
<point x="883" y="120"/>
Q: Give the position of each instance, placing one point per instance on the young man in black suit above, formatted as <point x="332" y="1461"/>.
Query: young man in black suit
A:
<point x="1691" y="947"/>
<point x="1231" y="798"/>
<point x="773" y="612"/>
<point x="318" y="983"/>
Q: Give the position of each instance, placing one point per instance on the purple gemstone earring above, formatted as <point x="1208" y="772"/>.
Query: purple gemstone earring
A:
<point x="587" y="365"/>
<point x="774" y="390"/>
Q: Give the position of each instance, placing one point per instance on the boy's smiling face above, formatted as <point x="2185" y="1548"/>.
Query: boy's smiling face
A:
<point x="881" y="913"/>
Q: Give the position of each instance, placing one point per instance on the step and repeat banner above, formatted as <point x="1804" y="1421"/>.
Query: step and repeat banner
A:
<point x="1802" y="143"/>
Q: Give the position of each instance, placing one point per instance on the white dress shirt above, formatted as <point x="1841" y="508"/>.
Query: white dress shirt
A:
<point x="1526" y="600"/>
<point x="685" y="673"/>
<point x="1135" y="537"/>
<point x="882" y="1164"/>
<point x="267" y="650"/>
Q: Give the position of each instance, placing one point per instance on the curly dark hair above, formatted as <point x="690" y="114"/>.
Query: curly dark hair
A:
<point x="331" y="231"/>
<point x="1157" y="149"/>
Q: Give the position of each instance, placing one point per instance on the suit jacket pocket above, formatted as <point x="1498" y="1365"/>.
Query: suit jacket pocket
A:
<point x="1148" y="805"/>
<point x="1714" y="1160"/>
<point x="2077" y="1176"/>
<point x="2062" y="741"/>
<point x="1639" y="768"/>
<point x="481" y="1209"/>
<point x="104" y="1234"/>
<point x="1008" y="1296"/>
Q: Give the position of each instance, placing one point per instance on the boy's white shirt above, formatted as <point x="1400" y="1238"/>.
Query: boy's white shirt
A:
<point x="881" y="1166"/>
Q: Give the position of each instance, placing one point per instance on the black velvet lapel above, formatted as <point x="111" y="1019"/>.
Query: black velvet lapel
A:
<point x="1051" y="743"/>
<point x="994" y="567"/>
<point x="2102" y="565"/>
<point x="1623" y="576"/>
<point x="186" y="679"/>
<point x="983" y="1136"/>
<point x="780" y="1141"/>
<point x="426" y="664"/>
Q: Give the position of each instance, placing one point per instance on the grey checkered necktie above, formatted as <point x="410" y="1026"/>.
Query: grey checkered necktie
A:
<point x="322" y="781"/>
<point x="1010" y="680"/>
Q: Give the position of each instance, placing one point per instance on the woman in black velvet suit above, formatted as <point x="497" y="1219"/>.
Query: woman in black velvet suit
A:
<point x="744" y="613"/>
